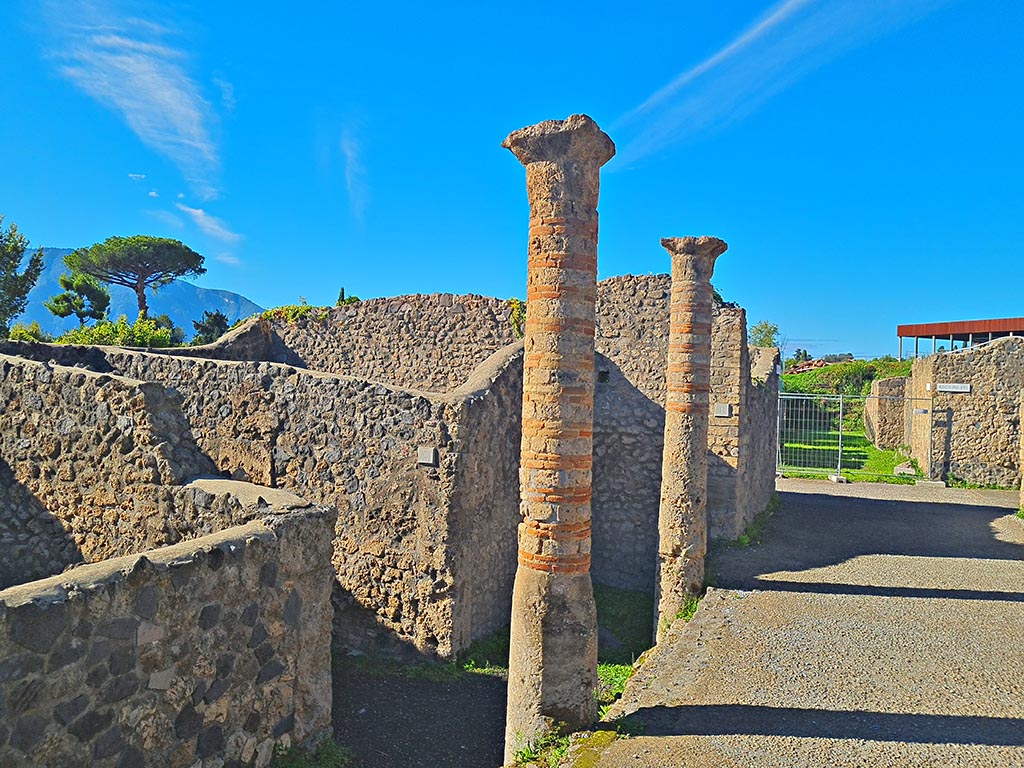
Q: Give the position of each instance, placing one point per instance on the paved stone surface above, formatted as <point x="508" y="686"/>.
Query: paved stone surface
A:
<point x="876" y="626"/>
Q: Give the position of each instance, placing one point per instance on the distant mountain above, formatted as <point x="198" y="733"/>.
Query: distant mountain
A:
<point x="181" y="301"/>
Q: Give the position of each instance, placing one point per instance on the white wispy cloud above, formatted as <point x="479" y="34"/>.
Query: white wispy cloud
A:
<point x="792" y="39"/>
<point x="154" y="193"/>
<point x="126" y="64"/>
<point x="227" y="93"/>
<point x="167" y="218"/>
<point x="228" y="258"/>
<point x="355" y="172"/>
<point x="211" y="225"/>
<point x="136" y="176"/>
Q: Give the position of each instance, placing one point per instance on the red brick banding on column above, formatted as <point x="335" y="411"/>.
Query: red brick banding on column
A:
<point x="682" y="519"/>
<point x="553" y="658"/>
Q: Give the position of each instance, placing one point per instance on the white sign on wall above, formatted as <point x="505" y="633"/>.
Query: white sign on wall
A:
<point x="953" y="387"/>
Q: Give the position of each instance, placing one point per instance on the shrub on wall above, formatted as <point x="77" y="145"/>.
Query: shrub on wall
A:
<point x="31" y="332"/>
<point x="144" y="332"/>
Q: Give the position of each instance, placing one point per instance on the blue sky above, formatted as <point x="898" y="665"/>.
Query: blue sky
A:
<point x="863" y="158"/>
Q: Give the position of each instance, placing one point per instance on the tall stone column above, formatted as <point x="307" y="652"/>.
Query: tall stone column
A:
<point x="553" y="656"/>
<point x="682" y="519"/>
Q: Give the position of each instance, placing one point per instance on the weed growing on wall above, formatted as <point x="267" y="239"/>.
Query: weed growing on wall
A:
<point x="754" y="534"/>
<point x="958" y="482"/>
<point x="517" y="316"/>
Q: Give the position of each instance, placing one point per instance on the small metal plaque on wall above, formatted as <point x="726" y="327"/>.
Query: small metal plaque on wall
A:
<point x="426" y="455"/>
<point x="723" y="410"/>
<point x="964" y="388"/>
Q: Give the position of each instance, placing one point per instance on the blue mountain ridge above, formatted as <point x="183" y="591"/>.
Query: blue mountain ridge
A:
<point x="181" y="301"/>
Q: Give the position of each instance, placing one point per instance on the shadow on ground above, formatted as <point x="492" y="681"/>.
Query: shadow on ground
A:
<point x="741" y="719"/>
<point x="391" y="721"/>
<point x="813" y="530"/>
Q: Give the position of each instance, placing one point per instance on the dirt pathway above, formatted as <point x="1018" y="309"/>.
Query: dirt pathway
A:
<point x="880" y="627"/>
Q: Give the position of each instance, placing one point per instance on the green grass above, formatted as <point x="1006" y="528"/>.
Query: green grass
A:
<point x="754" y="534"/>
<point x="852" y="378"/>
<point x="629" y="616"/>
<point x="1020" y="514"/>
<point x="488" y="656"/>
<point x="815" y="453"/>
<point x="329" y="754"/>
<point x="955" y="482"/>
<point x="549" y="750"/>
<point x="613" y="679"/>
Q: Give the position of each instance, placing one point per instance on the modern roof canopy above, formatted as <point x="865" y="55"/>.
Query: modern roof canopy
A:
<point x="967" y="332"/>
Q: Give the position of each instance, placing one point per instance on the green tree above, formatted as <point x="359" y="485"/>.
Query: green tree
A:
<point x="343" y="299"/>
<point x="84" y="296"/>
<point x="763" y="334"/>
<point x="210" y="327"/>
<point x="800" y="356"/>
<point x="15" y="285"/>
<point x="138" y="262"/>
<point x="177" y="334"/>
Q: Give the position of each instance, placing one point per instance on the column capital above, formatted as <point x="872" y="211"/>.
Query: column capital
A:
<point x="575" y="138"/>
<point x="696" y="254"/>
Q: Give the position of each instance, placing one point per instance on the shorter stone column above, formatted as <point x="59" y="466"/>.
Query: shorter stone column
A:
<point x="682" y="519"/>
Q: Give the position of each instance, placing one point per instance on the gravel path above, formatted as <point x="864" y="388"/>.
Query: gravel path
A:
<point x="877" y="626"/>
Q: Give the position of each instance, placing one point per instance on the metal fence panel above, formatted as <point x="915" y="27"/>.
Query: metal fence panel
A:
<point x="822" y="435"/>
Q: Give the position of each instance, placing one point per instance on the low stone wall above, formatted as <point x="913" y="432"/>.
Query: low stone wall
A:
<point x="91" y="467"/>
<point x="885" y="413"/>
<point x="205" y="653"/>
<point x="975" y="435"/>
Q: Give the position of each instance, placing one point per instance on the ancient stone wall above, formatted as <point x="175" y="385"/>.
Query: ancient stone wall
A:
<point x="204" y="653"/>
<point x="629" y="435"/>
<point x="91" y="467"/>
<point x="429" y="342"/>
<point x="632" y="329"/>
<point x="434" y="342"/>
<point x="759" y="435"/>
<point x="730" y="372"/>
<point x="354" y="445"/>
<point x="408" y="530"/>
<point x="975" y="435"/>
<point x="885" y="419"/>
<point x="485" y="500"/>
